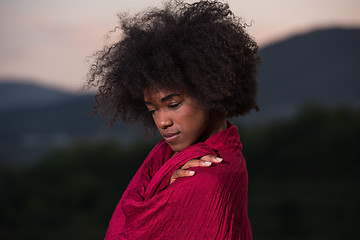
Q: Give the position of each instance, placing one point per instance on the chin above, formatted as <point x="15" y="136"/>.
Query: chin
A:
<point x="178" y="148"/>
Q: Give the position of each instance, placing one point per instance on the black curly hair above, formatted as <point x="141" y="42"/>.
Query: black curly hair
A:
<point x="200" y="48"/>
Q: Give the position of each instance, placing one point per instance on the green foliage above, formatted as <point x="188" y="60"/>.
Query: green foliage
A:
<point x="303" y="174"/>
<point x="71" y="194"/>
<point x="303" y="182"/>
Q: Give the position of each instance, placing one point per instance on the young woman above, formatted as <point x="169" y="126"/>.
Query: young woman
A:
<point x="185" y="70"/>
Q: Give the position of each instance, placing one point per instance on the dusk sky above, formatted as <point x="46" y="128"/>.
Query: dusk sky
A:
<point x="47" y="41"/>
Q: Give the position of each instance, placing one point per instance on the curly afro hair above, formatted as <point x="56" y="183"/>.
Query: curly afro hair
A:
<point x="200" y="48"/>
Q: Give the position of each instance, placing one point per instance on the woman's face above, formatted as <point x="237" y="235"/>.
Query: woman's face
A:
<point x="180" y="119"/>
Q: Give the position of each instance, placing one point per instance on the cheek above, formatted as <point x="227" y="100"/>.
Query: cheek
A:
<point x="197" y="122"/>
<point x="155" y="120"/>
<point x="201" y="116"/>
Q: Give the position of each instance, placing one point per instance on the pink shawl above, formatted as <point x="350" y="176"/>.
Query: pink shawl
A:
<point x="210" y="205"/>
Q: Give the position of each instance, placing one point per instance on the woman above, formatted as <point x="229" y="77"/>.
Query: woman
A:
<point x="184" y="69"/>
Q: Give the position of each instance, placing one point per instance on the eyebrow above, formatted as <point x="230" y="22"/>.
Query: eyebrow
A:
<point x="170" y="96"/>
<point x="167" y="97"/>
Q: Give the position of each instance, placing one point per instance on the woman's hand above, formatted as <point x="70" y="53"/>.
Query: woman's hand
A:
<point x="204" y="161"/>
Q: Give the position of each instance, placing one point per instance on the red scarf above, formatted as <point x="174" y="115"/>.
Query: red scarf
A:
<point x="210" y="205"/>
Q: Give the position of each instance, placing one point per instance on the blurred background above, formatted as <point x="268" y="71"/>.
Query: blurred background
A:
<point x="62" y="170"/>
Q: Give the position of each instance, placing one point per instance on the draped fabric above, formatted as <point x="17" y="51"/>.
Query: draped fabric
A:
<point x="212" y="204"/>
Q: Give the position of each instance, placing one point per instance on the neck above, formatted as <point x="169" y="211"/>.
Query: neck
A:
<point x="216" y="125"/>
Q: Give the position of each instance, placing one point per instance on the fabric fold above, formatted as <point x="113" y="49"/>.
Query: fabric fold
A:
<point x="210" y="205"/>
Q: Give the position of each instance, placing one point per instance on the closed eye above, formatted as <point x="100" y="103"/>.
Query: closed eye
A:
<point x="174" y="105"/>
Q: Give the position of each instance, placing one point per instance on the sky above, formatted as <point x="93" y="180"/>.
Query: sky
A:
<point x="48" y="42"/>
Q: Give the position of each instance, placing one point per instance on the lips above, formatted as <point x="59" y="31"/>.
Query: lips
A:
<point x="170" y="136"/>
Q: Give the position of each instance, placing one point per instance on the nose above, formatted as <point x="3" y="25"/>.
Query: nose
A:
<point x="163" y="119"/>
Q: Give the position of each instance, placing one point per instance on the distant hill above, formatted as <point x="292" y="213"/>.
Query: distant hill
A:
<point x="50" y="119"/>
<point x="322" y="66"/>
<point x="16" y="93"/>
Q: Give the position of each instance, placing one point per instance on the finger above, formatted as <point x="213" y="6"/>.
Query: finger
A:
<point x="196" y="163"/>
<point x="181" y="173"/>
<point x="211" y="158"/>
<point x="204" y="161"/>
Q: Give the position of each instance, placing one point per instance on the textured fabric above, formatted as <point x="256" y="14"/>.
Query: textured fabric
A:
<point x="210" y="205"/>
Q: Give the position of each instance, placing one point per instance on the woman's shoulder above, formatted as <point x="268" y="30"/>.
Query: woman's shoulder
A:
<point x="219" y="175"/>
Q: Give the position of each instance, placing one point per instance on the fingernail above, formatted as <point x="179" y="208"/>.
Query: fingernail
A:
<point x="191" y="172"/>
<point x="207" y="163"/>
<point x="218" y="159"/>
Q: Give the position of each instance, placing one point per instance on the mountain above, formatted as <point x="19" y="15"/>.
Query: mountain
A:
<point x="16" y="93"/>
<point x="29" y="130"/>
<point x="322" y="66"/>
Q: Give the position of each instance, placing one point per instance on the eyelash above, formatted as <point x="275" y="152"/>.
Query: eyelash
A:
<point x="174" y="105"/>
<point x="171" y="106"/>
